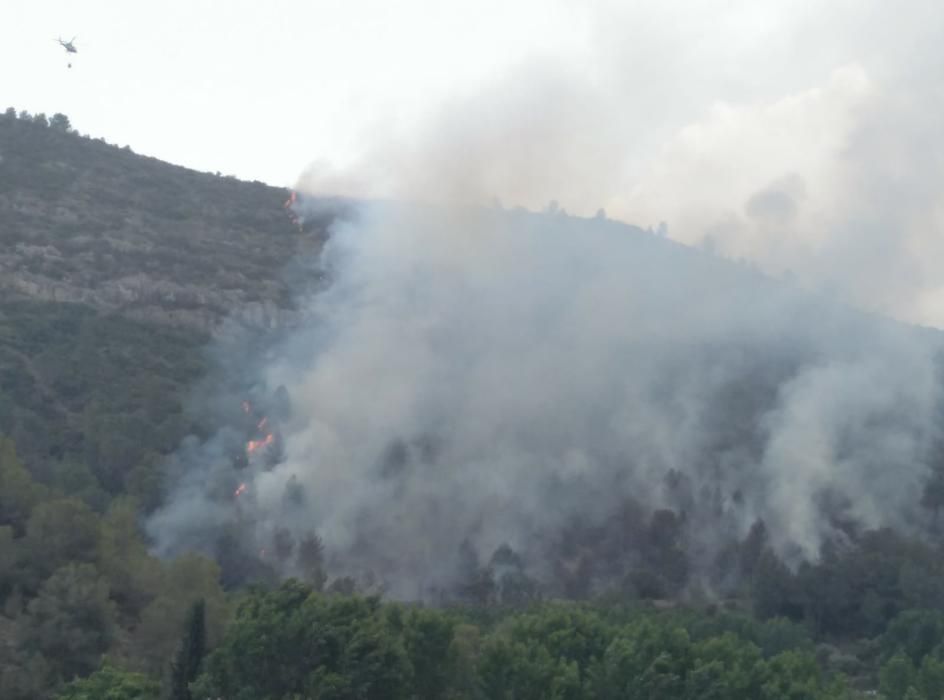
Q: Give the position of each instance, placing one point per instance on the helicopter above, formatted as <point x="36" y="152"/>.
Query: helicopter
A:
<point x="68" y="45"/>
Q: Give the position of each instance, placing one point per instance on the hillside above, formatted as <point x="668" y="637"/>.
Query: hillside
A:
<point x="97" y="243"/>
<point x="593" y="453"/>
<point x="82" y="221"/>
<point x="116" y="270"/>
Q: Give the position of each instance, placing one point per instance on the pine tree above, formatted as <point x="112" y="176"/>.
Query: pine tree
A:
<point x="60" y="122"/>
<point x="186" y="666"/>
<point x="310" y="560"/>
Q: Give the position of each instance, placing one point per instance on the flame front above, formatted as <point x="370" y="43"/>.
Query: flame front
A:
<point x="240" y="490"/>
<point x="290" y="207"/>
<point x="254" y="445"/>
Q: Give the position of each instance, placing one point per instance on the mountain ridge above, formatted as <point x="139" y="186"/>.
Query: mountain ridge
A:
<point x="87" y="222"/>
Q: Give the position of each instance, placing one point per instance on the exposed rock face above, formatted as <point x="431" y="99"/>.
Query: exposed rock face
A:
<point x="83" y="221"/>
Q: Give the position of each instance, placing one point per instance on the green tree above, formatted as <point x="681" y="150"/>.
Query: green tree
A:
<point x="24" y="676"/>
<point x="566" y="631"/>
<point x="476" y="583"/>
<point x="283" y="545"/>
<point x="427" y="638"/>
<point x="71" y="621"/>
<point x="58" y="532"/>
<point x="157" y="634"/>
<point x="646" y="660"/>
<point x="189" y="657"/>
<point x="294" y="642"/>
<point x="60" y="122"/>
<point x="133" y="574"/>
<point x="525" y="671"/>
<point x="726" y="668"/>
<point x="913" y="633"/>
<point x="921" y="584"/>
<point x="310" y="561"/>
<point x="7" y="560"/>
<point x="73" y="477"/>
<point x="374" y="662"/>
<point x="897" y="675"/>
<point x="110" y="683"/>
<point x="752" y="547"/>
<point x="465" y="650"/>
<point x="18" y="492"/>
<point x="773" y="589"/>
<point x="931" y="678"/>
<point x="665" y="548"/>
<point x="793" y="675"/>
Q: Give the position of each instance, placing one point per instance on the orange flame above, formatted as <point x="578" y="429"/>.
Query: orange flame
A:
<point x="240" y="490"/>
<point x="254" y="445"/>
<point x="293" y="217"/>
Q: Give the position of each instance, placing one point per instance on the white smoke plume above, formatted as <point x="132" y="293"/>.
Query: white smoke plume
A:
<point x="476" y="376"/>
<point x="749" y="128"/>
<point x="488" y="377"/>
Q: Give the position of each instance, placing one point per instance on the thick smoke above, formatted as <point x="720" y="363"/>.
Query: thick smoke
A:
<point x="755" y="130"/>
<point x="471" y="377"/>
<point x="482" y="377"/>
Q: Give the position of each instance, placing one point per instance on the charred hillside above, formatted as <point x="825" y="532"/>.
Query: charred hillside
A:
<point x="83" y="221"/>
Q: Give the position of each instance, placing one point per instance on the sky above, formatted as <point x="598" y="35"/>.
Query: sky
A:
<point x="792" y="134"/>
<point x="259" y="90"/>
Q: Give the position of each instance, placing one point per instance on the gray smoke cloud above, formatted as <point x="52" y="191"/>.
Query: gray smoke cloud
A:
<point x="708" y="118"/>
<point x="487" y="377"/>
<point x="476" y="376"/>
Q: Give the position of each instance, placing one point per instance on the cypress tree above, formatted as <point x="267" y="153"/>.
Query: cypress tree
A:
<point x="186" y="665"/>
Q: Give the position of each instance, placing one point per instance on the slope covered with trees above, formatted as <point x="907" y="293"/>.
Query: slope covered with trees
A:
<point x="86" y="222"/>
<point x="115" y="272"/>
<point x="107" y="300"/>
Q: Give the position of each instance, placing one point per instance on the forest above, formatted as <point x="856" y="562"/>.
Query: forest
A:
<point x="96" y="399"/>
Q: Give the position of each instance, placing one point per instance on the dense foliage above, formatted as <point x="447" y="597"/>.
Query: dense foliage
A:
<point x="293" y="642"/>
<point x="84" y="221"/>
<point x="78" y="587"/>
<point x="93" y="418"/>
<point x="93" y="399"/>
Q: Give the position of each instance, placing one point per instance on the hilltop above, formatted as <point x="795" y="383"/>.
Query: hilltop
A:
<point x="115" y="271"/>
<point x="82" y="221"/>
